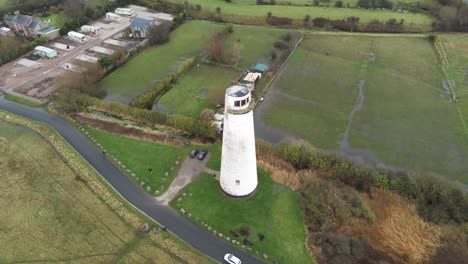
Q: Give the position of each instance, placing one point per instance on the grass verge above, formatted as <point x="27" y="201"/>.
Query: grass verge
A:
<point x="271" y="219"/>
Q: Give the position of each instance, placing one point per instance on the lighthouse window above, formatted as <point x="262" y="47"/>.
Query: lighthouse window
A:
<point x="247" y="99"/>
<point x="243" y="102"/>
<point x="237" y="182"/>
<point x="237" y="103"/>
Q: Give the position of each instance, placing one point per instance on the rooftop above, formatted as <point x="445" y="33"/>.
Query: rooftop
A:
<point x="261" y="67"/>
<point x="140" y="22"/>
<point x="47" y="30"/>
<point x="237" y="91"/>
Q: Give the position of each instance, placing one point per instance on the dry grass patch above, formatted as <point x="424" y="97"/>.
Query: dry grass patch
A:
<point x="398" y="231"/>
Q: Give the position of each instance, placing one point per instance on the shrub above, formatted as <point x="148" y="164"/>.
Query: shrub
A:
<point x="279" y="21"/>
<point x="326" y="205"/>
<point x="229" y="28"/>
<point x="320" y="21"/>
<point x="281" y="45"/>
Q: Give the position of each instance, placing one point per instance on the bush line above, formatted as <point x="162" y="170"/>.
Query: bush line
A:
<point x="147" y="99"/>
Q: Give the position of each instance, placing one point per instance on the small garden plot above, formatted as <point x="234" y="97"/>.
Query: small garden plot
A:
<point x="151" y="165"/>
<point x="269" y="222"/>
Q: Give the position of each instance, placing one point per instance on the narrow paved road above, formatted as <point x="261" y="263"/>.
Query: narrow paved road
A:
<point x="130" y="191"/>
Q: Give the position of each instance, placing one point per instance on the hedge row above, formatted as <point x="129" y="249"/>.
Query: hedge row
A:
<point x="192" y="127"/>
<point x="437" y="199"/>
<point x="147" y="99"/>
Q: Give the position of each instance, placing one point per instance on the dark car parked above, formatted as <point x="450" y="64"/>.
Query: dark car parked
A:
<point x="202" y="154"/>
<point x="193" y="153"/>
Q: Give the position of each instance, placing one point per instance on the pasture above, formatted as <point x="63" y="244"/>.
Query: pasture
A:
<point x="203" y="87"/>
<point x="248" y="8"/>
<point x="155" y="63"/>
<point x="52" y="214"/>
<point x="271" y="219"/>
<point x="455" y="49"/>
<point x="381" y="101"/>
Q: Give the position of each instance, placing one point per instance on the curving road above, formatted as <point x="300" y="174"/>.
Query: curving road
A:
<point x="130" y="191"/>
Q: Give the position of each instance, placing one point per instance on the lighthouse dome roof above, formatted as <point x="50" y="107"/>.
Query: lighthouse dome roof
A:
<point x="237" y="91"/>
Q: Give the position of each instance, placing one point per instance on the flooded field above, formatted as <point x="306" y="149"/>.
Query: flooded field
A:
<point x="376" y="99"/>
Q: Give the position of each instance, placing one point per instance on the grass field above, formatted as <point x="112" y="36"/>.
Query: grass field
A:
<point x="193" y="92"/>
<point x="456" y="49"/>
<point x="49" y="216"/>
<point x="146" y="160"/>
<point x="405" y="118"/>
<point x="22" y="100"/>
<point x="273" y="212"/>
<point x="248" y="8"/>
<point x="153" y="64"/>
<point x="204" y="87"/>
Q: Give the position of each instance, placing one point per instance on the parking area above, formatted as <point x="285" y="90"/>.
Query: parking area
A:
<point x="37" y="76"/>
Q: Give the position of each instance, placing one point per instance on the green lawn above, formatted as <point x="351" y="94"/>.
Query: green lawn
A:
<point x="248" y="8"/>
<point x="200" y="88"/>
<point x="22" y="100"/>
<point x="203" y="87"/>
<point x="146" y="160"/>
<point x="155" y="63"/>
<point x="273" y="211"/>
<point x="406" y="119"/>
<point x="56" y="20"/>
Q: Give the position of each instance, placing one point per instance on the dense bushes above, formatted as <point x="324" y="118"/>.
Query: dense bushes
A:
<point x="77" y="102"/>
<point x="437" y="201"/>
<point x="147" y="99"/>
<point x="11" y="47"/>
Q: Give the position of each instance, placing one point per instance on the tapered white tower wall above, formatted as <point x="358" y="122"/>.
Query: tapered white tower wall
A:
<point x="238" y="160"/>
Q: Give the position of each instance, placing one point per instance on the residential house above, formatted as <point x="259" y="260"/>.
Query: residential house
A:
<point x="140" y="26"/>
<point x="30" y="27"/>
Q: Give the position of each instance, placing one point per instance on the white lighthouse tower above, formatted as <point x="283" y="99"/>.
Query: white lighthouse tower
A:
<point x="238" y="160"/>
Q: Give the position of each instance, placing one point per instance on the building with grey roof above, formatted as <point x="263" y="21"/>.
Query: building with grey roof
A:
<point x="140" y="26"/>
<point x="30" y="27"/>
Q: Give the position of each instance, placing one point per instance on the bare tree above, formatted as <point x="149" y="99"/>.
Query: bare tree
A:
<point x="159" y="34"/>
<point x="83" y="81"/>
<point x="217" y="49"/>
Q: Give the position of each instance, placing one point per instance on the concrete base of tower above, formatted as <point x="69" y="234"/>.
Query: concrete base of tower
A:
<point x="240" y="196"/>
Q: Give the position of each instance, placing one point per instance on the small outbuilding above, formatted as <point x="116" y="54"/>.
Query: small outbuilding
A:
<point x="259" y="67"/>
<point x="45" y="52"/>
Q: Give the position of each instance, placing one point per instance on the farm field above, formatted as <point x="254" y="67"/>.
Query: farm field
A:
<point x="388" y="104"/>
<point x="249" y="9"/>
<point x="53" y="215"/>
<point x="273" y="212"/>
<point x="144" y="161"/>
<point x="155" y="63"/>
<point x="203" y="87"/>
